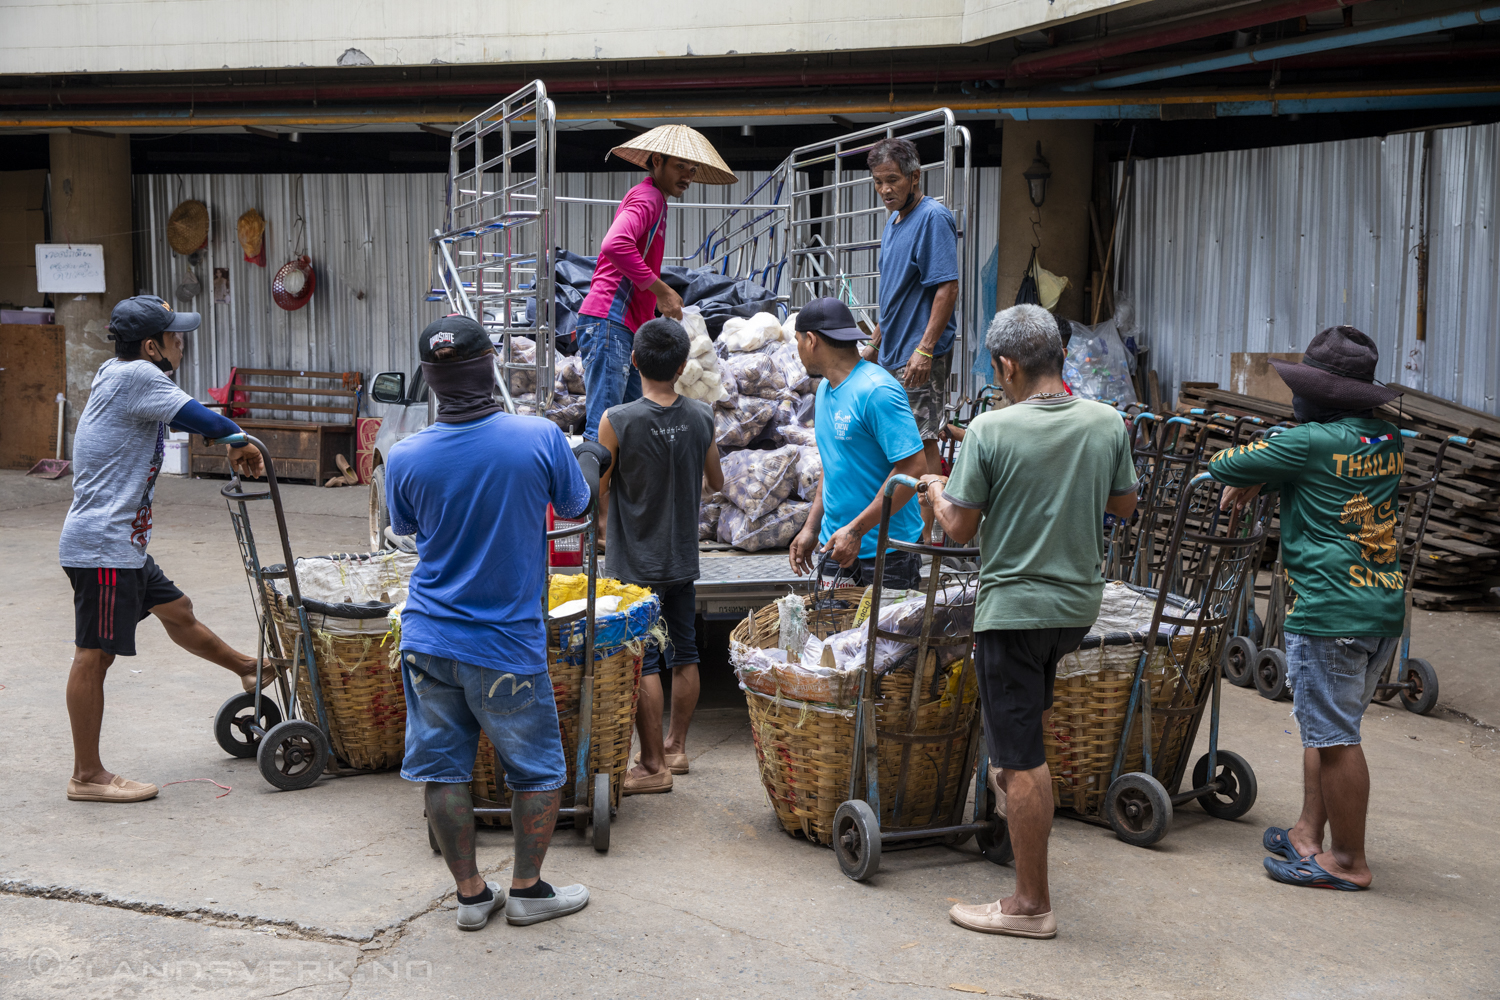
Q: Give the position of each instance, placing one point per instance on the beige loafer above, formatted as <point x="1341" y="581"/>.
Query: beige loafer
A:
<point x="268" y="674"/>
<point x="987" y="919"/>
<point x="651" y="784"/>
<point x="677" y="763"/>
<point x="118" y="790"/>
<point x="994" y="780"/>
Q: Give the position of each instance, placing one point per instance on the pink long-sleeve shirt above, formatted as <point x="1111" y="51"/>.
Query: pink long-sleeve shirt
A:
<point x="630" y="259"/>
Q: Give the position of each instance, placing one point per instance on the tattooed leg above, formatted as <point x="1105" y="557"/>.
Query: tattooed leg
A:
<point x="534" y="814"/>
<point x="450" y="810"/>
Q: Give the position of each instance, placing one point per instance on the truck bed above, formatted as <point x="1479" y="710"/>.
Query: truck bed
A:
<point x="733" y="583"/>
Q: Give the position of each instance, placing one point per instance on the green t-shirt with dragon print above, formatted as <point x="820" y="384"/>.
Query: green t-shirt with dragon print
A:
<point x="1339" y="509"/>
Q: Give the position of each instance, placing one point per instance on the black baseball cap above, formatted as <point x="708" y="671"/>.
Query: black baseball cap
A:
<point x="459" y="332"/>
<point x="143" y="316"/>
<point x="831" y="318"/>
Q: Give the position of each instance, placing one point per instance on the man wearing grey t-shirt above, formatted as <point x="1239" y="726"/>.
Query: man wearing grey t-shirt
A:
<point x="117" y="454"/>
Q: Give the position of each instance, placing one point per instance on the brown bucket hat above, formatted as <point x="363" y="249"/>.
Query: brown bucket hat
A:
<point x="187" y="228"/>
<point x="1337" y="371"/>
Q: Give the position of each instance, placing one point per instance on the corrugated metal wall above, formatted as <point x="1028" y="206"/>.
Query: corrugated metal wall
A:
<point x="367" y="236"/>
<point x="1257" y="250"/>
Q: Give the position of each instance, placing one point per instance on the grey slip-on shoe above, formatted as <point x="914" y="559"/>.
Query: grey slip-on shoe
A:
<point x="566" y="899"/>
<point x="473" y="916"/>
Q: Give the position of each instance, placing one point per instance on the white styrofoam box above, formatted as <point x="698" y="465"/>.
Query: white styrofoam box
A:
<point x="175" y="461"/>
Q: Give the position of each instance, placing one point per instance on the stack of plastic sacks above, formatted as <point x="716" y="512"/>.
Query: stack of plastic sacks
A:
<point x="567" y="409"/>
<point x="763" y="426"/>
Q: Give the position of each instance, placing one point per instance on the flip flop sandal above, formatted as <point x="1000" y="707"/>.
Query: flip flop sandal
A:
<point x="1309" y="873"/>
<point x="1279" y="842"/>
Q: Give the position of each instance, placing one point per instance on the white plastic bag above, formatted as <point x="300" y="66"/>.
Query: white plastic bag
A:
<point x="774" y="531"/>
<point x="758" y="481"/>
<point x="1097" y="366"/>
<point x="809" y="471"/>
<point x="750" y="334"/>
<point x="756" y="375"/>
<point x="738" y="425"/>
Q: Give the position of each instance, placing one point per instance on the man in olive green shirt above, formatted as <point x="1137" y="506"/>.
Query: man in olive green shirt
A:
<point x="1034" y="481"/>
<point x="1339" y="473"/>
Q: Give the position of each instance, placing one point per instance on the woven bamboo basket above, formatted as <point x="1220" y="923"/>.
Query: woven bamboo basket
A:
<point x="806" y="749"/>
<point x="1088" y="713"/>
<point x="617" y="681"/>
<point x="359" y="680"/>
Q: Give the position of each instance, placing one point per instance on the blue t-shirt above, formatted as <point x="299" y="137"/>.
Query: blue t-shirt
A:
<point x="864" y="427"/>
<point x="917" y="254"/>
<point x="475" y="494"/>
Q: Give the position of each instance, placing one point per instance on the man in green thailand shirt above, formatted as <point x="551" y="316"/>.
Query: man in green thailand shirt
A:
<point x="1034" y="481"/>
<point x="1338" y="473"/>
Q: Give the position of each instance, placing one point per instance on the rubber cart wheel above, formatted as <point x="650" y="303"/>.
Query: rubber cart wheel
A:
<point x="293" y="755"/>
<point x="432" y="839"/>
<point x="994" y="842"/>
<point x="234" y="718"/>
<point x="1270" y="674"/>
<point x="1237" y="786"/>
<point x="1138" y="809"/>
<point x="601" y="813"/>
<point x="1239" y="661"/>
<point x="1420" y="691"/>
<point x="856" y="839"/>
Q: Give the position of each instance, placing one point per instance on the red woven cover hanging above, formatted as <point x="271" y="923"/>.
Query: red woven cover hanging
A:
<point x="293" y="284"/>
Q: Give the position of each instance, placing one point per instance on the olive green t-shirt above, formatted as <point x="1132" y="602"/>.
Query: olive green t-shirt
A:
<point x="1042" y="471"/>
<point x="1338" y="485"/>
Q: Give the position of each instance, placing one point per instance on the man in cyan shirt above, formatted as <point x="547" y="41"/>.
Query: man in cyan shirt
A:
<point x="865" y="434"/>
<point x="117" y="454"/>
<point x="474" y="488"/>
<point x="918" y="288"/>
<point x="1339" y="473"/>
<point x="627" y="289"/>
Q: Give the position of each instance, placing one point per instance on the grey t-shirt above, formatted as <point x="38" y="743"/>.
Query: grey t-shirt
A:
<point x="117" y="453"/>
<point x="655" y="489"/>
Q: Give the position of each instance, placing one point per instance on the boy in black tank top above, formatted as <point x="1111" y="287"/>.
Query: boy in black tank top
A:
<point x="664" y="450"/>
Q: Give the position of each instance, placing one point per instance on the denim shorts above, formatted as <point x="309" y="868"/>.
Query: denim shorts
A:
<point x="1332" y="682"/>
<point x="448" y="703"/>
<point x="609" y="378"/>
<point x="679" y="610"/>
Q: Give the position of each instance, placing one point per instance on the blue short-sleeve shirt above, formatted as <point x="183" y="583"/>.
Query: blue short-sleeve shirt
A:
<point x="475" y="495"/>
<point x="917" y="254"/>
<point x="864" y="427"/>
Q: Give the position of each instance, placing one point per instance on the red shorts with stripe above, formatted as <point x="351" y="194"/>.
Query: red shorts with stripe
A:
<point x="109" y="603"/>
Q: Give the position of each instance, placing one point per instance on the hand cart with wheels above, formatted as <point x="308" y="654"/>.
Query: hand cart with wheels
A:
<point x="1162" y="673"/>
<point x="920" y="749"/>
<point x="291" y="751"/>
<point x="1413" y="678"/>
<point x="595" y="689"/>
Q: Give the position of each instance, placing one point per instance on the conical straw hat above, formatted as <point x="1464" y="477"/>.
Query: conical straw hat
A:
<point x="682" y="142"/>
<point x="187" y="228"/>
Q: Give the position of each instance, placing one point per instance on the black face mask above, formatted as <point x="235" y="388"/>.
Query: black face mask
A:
<point x="465" y="389"/>
<point x="1305" y="411"/>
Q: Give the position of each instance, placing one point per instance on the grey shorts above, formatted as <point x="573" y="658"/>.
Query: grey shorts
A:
<point x="1332" y="682"/>
<point x="929" y="402"/>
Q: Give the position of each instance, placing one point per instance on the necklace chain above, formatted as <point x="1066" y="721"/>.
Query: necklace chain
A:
<point x="1045" y="395"/>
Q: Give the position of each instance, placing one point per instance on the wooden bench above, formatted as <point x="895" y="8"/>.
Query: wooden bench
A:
<point x="301" y="449"/>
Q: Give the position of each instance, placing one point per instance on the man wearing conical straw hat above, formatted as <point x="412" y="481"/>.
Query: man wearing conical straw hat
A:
<point x="627" y="289"/>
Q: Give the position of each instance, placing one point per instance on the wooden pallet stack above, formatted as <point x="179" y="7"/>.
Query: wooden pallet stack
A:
<point x="1461" y="552"/>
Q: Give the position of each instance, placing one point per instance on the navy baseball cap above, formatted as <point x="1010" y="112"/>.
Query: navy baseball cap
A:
<point x="459" y="332"/>
<point x="143" y="316"/>
<point x="831" y="318"/>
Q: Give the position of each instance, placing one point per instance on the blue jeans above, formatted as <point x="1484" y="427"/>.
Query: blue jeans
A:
<point x="448" y="703"/>
<point x="609" y="378"/>
<point x="1332" y="682"/>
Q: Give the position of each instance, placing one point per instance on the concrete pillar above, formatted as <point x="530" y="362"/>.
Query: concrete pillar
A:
<point x="1063" y="231"/>
<point x="91" y="196"/>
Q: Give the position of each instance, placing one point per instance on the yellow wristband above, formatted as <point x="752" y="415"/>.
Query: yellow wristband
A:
<point x="924" y="354"/>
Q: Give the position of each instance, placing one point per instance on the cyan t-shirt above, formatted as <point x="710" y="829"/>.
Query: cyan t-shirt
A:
<point x="475" y="495"/>
<point x="864" y="427"/>
<point x="917" y="254"/>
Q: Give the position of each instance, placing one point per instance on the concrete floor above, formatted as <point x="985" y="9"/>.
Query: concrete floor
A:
<point x="332" y="891"/>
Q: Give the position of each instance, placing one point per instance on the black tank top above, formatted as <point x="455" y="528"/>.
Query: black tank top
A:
<point x="656" y="488"/>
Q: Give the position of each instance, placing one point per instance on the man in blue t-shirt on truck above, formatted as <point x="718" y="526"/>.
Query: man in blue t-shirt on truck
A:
<point x="918" y="289"/>
<point x="474" y="488"/>
<point x="865" y="433"/>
